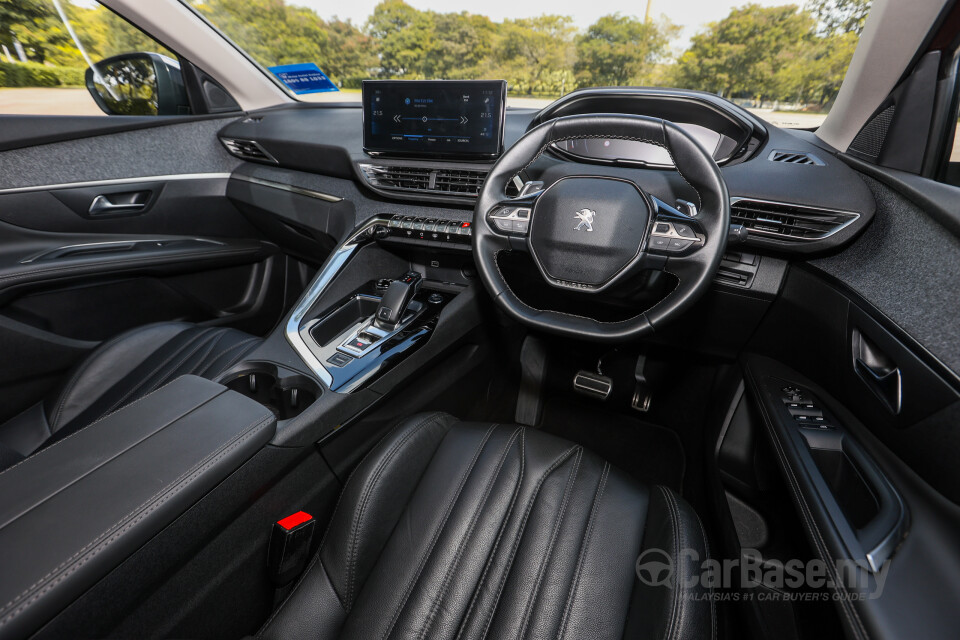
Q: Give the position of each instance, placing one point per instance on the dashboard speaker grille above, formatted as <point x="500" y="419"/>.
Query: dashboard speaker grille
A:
<point x="791" y="222"/>
<point x="455" y="182"/>
<point x="247" y="149"/>
<point x="869" y="141"/>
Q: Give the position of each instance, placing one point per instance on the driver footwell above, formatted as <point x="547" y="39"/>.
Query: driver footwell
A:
<point x="650" y="453"/>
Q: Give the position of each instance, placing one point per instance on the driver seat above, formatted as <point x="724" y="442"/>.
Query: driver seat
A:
<point x="449" y="529"/>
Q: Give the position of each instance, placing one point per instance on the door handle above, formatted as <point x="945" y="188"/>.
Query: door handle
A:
<point x="119" y="203"/>
<point x="878" y="371"/>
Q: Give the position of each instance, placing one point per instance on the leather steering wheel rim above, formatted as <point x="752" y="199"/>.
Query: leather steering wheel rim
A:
<point x="694" y="272"/>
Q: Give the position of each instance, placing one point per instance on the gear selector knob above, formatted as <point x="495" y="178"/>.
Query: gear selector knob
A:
<point x="395" y="300"/>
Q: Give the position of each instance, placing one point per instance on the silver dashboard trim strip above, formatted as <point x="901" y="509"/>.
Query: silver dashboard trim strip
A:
<point x="115" y="181"/>
<point x="331" y="268"/>
<point x="310" y="193"/>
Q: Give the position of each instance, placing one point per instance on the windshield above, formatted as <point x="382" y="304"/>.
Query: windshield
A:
<point x="784" y="61"/>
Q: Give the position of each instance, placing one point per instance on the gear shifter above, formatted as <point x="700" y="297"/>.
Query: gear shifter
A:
<point x="395" y="300"/>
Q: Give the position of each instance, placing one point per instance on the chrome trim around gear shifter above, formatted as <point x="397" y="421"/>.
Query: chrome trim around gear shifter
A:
<point x="330" y="269"/>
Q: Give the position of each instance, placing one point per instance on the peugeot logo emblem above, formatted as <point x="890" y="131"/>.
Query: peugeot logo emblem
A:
<point x="585" y="216"/>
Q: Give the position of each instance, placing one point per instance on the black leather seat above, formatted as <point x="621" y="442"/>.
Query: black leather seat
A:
<point x="119" y="372"/>
<point x="456" y="530"/>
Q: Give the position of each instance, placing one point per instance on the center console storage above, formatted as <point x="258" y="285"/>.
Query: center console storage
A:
<point x="75" y="510"/>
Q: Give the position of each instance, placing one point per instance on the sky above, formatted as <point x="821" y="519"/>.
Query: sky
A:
<point x="692" y="15"/>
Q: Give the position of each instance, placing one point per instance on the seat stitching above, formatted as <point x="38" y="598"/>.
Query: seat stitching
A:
<point x="571" y="481"/>
<point x="357" y="521"/>
<point x="206" y="341"/>
<point x="167" y="492"/>
<point x="583" y="547"/>
<point x="336" y="508"/>
<point x="202" y="364"/>
<point x="152" y="374"/>
<point x="675" y="528"/>
<point x="439" y="530"/>
<point x="85" y="366"/>
<point x="473" y="523"/>
<point x="203" y="368"/>
<point x="503" y="528"/>
<point x="100" y="419"/>
<point x="233" y="360"/>
<point x="523" y="524"/>
<point x="316" y="557"/>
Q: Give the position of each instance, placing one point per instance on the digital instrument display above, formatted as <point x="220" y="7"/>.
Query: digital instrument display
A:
<point x="644" y="153"/>
<point x="437" y="118"/>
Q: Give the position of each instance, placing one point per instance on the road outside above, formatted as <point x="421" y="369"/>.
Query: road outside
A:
<point x="68" y="101"/>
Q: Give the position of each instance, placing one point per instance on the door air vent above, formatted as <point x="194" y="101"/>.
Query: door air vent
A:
<point x="794" y="157"/>
<point x="790" y="222"/>
<point x="449" y="182"/>
<point x="247" y="149"/>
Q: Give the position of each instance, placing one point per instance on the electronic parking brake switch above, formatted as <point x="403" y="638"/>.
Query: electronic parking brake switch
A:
<point x="395" y="300"/>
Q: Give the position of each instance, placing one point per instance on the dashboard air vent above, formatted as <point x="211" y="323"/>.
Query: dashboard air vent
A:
<point x="247" y="149"/>
<point x="791" y="222"/>
<point x="454" y="182"/>
<point x="794" y="157"/>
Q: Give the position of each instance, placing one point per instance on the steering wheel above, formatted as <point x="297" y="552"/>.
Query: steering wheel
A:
<point x="589" y="233"/>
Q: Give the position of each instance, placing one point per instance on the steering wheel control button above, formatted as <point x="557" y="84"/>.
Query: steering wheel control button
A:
<point x="678" y="245"/>
<point x="511" y="219"/>
<point x="684" y="230"/>
<point x="662" y="227"/>
<point x="659" y="243"/>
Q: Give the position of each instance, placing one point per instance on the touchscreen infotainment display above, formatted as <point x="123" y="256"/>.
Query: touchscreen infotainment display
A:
<point x="448" y="118"/>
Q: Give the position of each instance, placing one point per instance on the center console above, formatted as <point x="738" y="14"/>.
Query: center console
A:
<point x="373" y="328"/>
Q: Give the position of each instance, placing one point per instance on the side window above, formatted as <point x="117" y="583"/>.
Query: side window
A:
<point x="63" y="57"/>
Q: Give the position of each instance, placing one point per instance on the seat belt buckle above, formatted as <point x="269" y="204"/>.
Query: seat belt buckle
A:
<point x="289" y="547"/>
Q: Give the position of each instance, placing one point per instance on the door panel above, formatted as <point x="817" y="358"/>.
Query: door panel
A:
<point x="869" y="337"/>
<point x="175" y="149"/>
<point x="111" y="231"/>
<point x="173" y="206"/>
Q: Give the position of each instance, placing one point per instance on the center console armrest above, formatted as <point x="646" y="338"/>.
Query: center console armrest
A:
<point x="72" y="512"/>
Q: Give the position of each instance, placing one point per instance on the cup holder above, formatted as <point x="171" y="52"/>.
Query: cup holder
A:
<point x="287" y="396"/>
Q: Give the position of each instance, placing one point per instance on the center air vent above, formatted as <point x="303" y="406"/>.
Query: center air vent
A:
<point x="247" y="149"/>
<point x="790" y="222"/>
<point x="794" y="157"/>
<point x="452" y="182"/>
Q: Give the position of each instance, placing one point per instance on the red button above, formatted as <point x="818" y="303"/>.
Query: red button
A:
<point x="295" y="520"/>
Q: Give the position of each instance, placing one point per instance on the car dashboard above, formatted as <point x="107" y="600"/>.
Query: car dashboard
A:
<point x="793" y="197"/>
